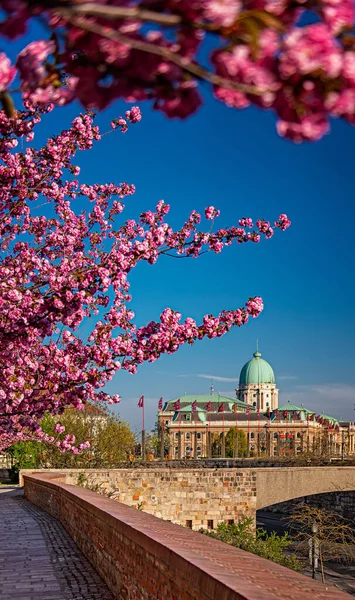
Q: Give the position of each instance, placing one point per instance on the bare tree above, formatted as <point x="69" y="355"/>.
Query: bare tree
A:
<point x="323" y="534"/>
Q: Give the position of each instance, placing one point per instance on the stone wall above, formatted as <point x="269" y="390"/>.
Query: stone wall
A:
<point x="191" y="497"/>
<point x="204" y="497"/>
<point x="141" y="557"/>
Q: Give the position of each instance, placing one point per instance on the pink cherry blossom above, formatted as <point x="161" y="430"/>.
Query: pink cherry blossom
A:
<point x="72" y="266"/>
<point x="265" y="53"/>
<point x="7" y="72"/>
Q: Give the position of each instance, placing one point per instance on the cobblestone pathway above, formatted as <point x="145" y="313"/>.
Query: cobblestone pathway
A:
<point x="38" y="559"/>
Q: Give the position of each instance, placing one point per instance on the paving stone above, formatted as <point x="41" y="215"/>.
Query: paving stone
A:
<point x="38" y="559"/>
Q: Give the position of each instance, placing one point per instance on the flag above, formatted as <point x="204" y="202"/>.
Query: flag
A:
<point x="160" y="404"/>
<point x="247" y="412"/>
<point x="194" y="405"/>
<point x="177" y="404"/>
<point x="208" y="406"/>
<point x="141" y="402"/>
<point x="221" y="408"/>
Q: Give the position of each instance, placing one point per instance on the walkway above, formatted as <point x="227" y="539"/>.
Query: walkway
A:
<point x="38" y="559"/>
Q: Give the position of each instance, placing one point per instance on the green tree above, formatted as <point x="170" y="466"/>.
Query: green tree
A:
<point x="231" y="442"/>
<point x="244" y="535"/>
<point x="25" y="455"/>
<point x="110" y="440"/>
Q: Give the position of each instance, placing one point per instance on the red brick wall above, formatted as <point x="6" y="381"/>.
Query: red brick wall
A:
<point x="142" y="557"/>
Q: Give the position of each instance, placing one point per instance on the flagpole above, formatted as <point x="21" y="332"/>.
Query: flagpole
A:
<point x="180" y="444"/>
<point x="143" y="433"/>
<point x="236" y="427"/>
<point x="248" y="453"/>
<point x="161" y="430"/>
<point x="209" y="448"/>
<point x="223" y="438"/>
<point x="259" y="431"/>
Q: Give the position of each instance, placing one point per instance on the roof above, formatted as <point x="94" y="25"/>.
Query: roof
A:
<point x="328" y="418"/>
<point x="203" y="399"/>
<point x="256" y="370"/>
<point x="290" y="407"/>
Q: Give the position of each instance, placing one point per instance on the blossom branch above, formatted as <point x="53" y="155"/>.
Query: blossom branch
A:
<point x="192" y="68"/>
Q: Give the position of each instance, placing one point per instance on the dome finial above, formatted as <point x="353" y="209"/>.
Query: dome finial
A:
<point x="257" y="353"/>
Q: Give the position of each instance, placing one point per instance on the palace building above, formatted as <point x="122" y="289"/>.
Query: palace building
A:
<point x="210" y="425"/>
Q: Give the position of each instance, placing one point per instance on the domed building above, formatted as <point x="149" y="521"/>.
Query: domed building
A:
<point x="200" y="425"/>
<point x="257" y="386"/>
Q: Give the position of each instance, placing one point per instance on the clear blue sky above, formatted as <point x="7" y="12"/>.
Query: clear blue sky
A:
<point x="236" y="161"/>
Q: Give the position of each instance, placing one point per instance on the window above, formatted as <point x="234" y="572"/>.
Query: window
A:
<point x="176" y="435"/>
<point x="298" y="435"/>
<point x="252" y="435"/>
<point x="199" y="435"/>
<point x="188" y="435"/>
<point x="254" y="395"/>
<point x="189" y="523"/>
<point x="267" y="395"/>
<point x="210" y="524"/>
<point x="267" y="404"/>
<point x="230" y="521"/>
<point x="254" y="403"/>
<point x="187" y="417"/>
<point x="166" y="422"/>
<point x="198" y="450"/>
<point x="275" y="436"/>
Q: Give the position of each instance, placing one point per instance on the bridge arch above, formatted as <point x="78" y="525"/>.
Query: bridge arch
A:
<point x="275" y="485"/>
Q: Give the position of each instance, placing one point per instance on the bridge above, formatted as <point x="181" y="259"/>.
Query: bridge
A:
<point x="139" y="556"/>
<point x="204" y="496"/>
<point x="274" y="485"/>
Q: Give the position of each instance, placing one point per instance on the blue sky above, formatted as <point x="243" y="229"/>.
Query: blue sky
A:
<point x="236" y="161"/>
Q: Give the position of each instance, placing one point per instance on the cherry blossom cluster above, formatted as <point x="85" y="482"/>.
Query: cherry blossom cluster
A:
<point x="295" y="57"/>
<point x="73" y="264"/>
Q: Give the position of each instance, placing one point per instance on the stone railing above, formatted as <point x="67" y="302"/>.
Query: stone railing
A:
<point x="141" y="556"/>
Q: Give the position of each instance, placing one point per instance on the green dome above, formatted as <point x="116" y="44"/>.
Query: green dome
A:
<point x="256" y="371"/>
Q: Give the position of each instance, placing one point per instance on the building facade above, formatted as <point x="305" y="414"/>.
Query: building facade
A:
<point x="209" y="425"/>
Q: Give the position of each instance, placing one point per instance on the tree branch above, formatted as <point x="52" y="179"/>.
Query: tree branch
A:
<point x="166" y="54"/>
<point x="118" y="12"/>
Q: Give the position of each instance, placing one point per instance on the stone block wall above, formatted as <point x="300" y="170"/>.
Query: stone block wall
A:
<point x="191" y="497"/>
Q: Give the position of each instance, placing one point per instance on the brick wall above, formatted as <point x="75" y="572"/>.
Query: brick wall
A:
<point x="141" y="557"/>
